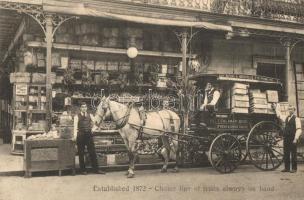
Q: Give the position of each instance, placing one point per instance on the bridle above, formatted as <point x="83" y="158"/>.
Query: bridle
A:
<point x="124" y="119"/>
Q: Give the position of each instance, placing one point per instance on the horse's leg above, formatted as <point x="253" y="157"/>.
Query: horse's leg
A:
<point x="177" y="159"/>
<point x="165" y="152"/>
<point x="129" y="154"/>
<point x="133" y="156"/>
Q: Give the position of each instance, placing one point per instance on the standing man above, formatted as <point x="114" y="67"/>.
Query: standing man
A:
<point x="291" y="134"/>
<point x="83" y="123"/>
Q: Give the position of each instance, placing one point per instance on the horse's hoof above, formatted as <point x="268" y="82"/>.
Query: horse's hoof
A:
<point x="130" y="175"/>
<point x="127" y="173"/>
<point x="175" y="170"/>
<point x="163" y="170"/>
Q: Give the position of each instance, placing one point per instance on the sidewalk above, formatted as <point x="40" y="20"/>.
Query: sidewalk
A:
<point x="9" y="163"/>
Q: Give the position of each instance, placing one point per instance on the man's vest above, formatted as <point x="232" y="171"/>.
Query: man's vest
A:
<point x="84" y="123"/>
<point x="290" y="127"/>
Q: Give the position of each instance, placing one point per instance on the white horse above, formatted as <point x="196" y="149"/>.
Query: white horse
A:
<point x="129" y="124"/>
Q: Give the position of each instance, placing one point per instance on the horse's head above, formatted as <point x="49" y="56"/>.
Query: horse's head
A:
<point x="103" y="109"/>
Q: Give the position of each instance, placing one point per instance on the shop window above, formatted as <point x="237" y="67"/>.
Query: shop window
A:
<point x="270" y="67"/>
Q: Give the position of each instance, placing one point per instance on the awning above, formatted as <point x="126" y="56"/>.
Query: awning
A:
<point x="238" y="78"/>
<point x="81" y="9"/>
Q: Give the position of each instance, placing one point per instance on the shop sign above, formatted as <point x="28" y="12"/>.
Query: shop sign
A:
<point x="21" y="89"/>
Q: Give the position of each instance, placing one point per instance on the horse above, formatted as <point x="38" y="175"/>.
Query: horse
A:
<point x="163" y="124"/>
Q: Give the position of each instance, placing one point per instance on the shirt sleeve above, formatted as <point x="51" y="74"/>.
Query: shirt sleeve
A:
<point x="205" y="98"/>
<point x="279" y="114"/>
<point x="298" y="123"/>
<point x="298" y="129"/>
<point x="216" y="96"/>
<point x="75" y="125"/>
<point x="92" y="118"/>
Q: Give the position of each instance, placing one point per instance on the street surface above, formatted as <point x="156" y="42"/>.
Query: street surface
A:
<point x="245" y="183"/>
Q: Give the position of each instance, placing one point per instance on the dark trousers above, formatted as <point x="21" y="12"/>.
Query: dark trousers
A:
<point x="204" y="116"/>
<point x="86" y="140"/>
<point x="290" y="149"/>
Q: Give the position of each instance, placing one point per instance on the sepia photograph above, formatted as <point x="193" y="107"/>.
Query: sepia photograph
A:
<point x="151" y="99"/>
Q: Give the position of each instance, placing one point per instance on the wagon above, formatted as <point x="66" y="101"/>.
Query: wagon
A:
<point x="230" y="137"/>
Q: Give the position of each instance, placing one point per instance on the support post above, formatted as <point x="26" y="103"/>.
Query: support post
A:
<point x="49" y="43"/>
<point x="185" y="86"/>
<point x="287" y="68"/>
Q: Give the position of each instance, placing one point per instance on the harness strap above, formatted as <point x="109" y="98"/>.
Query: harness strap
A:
<point x="171" y="121"/>
<point x="125" y="118"/>
<point x="164" y="128"/>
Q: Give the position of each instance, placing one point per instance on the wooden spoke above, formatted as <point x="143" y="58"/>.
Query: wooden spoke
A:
<point x="262" y="140"/>
<point x="225" y="153"/>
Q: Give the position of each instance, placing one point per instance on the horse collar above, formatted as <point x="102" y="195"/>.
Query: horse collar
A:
<point x="125" y="118"/>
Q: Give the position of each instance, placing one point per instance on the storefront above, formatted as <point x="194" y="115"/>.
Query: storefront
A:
<point x="76" y="52"/>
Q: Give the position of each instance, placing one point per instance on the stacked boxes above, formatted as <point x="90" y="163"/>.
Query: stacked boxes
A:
<point x="272" y="97"/>
<point x="258" y="102"/>
<point x="239" y="98"/>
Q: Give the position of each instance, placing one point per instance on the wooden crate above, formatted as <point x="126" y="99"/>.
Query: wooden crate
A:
<point x="239" y="91"/>
<point x="48" y="155"/>
<point x="272" y="96"/>
<point x="240" y="104"/>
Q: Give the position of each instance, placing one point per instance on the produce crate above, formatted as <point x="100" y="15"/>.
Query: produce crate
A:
<point x="272" y="96"/>
<point x="240" y="104"/>
<point x="48" y="155"/>
<point x="257" y="95"/>
<point x="239" y="91"/>
<point x="240" y="98"/>
<point x="258" y="101"/>
<point x="239" y="110"/>
<point x="240" y="86"/>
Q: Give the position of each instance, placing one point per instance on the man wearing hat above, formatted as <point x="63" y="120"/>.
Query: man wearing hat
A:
<point x="291" y="134"/>
<point x="211" y="98"/>
<point x="83" y="123"/>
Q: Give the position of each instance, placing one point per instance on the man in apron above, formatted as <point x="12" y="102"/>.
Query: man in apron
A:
<point x="292" y="132"/>
<point x="83" y="123"/>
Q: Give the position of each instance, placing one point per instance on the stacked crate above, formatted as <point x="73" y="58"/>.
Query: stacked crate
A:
<point x="272" y="97"/>
<point x="258" y="102"/>
<point x="239" y="98"/>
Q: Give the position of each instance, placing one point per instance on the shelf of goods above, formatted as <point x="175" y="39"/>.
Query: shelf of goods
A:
<point x="49" y="155"/>
<point x="29" y="106"/>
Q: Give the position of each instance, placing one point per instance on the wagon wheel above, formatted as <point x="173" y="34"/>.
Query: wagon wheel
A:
<point x="265" y="145"/>
<point x="225" y="153"/>
<point x="242" y="139"/>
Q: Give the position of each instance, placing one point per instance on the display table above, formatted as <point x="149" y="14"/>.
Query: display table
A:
<point x="49" y="155"/>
